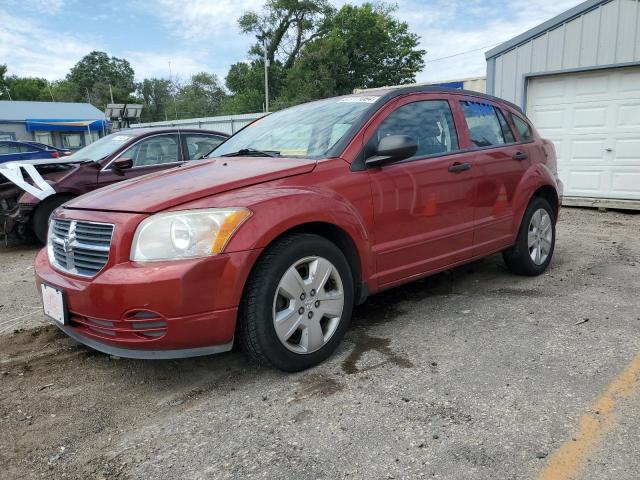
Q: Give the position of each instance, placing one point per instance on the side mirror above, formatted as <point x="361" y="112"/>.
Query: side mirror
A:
<point x="122" y="164"/>
<point x="393" y="149"/>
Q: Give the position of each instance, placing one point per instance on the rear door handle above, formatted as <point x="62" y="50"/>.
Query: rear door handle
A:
<point x="520" y="156"/>
<point x="459" y="167"/>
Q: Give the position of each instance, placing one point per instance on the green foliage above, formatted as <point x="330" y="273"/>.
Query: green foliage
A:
<point x="356" y="47"/>
<point x="95" y="72"/>
<point x="28" y="88"/>
<point x="202" y="96"/>
<point x="155" y="96"/>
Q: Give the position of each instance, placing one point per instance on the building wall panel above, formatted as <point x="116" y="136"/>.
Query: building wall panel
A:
<point x="604" y="34"/>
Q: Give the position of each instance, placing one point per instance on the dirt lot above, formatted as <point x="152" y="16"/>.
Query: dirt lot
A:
<point x="471" y="374"/>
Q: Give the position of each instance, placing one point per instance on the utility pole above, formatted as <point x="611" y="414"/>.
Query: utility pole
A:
<point x="111" y="93"/>
<point x="8" y="92"/>
<point x="266" y="76"/>
<point x="174" y="93"/>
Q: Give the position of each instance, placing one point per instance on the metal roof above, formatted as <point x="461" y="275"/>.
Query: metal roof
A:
<point x="19" y="111"/>
<point x="544" y="27"/>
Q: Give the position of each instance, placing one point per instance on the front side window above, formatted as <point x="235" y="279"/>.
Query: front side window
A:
<point x="310" y="130"/>
<point x="429" y="122"/>
<point x="199" y="145"/>
<point x="523" y="128"/>
<point x="154" y="150"/>
<point x="483" y="123"/>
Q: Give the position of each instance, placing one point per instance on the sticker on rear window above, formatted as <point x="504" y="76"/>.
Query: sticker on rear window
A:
<point x="359" y="99"/>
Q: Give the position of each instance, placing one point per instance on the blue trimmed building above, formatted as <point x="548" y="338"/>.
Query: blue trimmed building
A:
<point x="61" y="124"/>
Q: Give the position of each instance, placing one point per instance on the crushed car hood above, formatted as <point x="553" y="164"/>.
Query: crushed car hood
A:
<point x="197" y="179"/>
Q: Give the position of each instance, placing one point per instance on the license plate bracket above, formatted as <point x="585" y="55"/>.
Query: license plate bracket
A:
<point x="54" y="304"/>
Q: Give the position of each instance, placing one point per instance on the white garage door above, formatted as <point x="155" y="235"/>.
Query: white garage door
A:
<point x="593" y="118"/>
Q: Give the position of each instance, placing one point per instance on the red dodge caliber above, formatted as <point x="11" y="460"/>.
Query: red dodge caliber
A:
<point x="297" y="218"/>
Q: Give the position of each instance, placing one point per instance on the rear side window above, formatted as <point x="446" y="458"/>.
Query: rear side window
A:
<point x="199" y="145"/>
<point x="483" y="123"/>
<point x="429" y="122"/>
<point x="506" y="129"/>
<point x="523" y="128"/>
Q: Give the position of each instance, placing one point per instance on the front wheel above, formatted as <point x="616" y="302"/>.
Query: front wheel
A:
<point x="297" y="303"/>
<point x="40" y="219"/>
<point x="536" y="240"/>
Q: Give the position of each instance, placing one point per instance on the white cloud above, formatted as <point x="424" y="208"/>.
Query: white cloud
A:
<point x="156" y="64"/>
<point x="202" y="20"/>
<point x="31" y="49"/>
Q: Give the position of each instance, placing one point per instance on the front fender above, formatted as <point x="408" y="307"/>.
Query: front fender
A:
<point x="278" y="209"/>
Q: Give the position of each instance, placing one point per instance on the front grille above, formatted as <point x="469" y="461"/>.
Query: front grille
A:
<point x="80" y="247"/>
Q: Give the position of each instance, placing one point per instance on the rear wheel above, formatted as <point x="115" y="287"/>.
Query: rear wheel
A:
<point x="297" y="303"/>
<point x="40" y="218"/>
<point x="536" y="240"/>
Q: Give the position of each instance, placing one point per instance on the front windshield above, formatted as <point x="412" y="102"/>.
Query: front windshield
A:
<point x="305" y="131"/>
<point x="103" y="147"/>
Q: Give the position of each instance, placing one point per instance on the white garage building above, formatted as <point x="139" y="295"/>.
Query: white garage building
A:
<point x="577" y="76"/>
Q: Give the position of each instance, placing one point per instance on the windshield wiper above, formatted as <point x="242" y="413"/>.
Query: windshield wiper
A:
<point x="252" y="152"/>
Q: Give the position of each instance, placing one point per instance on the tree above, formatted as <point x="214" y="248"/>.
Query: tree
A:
<point x="3" y="83"/>
<point x="155" y="96"/>
<point x="96" y="72"/>
<point x="201" y="97"/>
<point x="28" y="88"/>
<point x="364" y="47"/>
<point x="285" y="26"/>
<point x="245" y="81"/>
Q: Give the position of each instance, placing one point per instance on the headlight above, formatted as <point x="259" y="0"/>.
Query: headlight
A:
<point x="186" y="234"/>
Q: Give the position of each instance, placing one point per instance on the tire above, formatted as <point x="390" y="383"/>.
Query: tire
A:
<point x="296" y="343"/>
<point x="526" y="258"/>
<point x="40" y="219"/>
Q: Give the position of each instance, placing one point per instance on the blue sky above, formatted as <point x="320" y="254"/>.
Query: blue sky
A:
<point x="46" y="37"/>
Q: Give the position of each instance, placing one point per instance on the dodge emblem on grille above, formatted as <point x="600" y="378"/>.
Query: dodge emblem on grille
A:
<point x="70" y="238"/>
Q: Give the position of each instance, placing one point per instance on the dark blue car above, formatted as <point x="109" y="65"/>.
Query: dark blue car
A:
<point x="11" y="151"/>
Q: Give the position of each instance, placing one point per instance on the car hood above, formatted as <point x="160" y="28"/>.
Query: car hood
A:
<point x="197" y="179"/>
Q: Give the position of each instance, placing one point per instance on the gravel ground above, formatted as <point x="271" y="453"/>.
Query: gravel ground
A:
<point x="470" y="374"/>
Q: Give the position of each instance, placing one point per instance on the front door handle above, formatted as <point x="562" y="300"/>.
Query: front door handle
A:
<point x="459" y="167"/>
<point x="520" y="156"/>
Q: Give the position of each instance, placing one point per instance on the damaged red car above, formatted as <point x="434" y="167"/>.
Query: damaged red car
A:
<point x="297" y="218"/>
<point x="31" y="189"/>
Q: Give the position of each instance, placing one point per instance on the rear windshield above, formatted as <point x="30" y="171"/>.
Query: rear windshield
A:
<point x="103" y="147"/>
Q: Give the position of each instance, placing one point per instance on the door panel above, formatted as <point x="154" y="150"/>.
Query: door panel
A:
<point x="423" y="215"/>
<point x="423" y="212"/>
<point x="500" y="165"/>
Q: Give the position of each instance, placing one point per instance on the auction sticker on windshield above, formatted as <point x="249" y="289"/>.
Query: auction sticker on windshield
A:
<point x="53" y="303"/>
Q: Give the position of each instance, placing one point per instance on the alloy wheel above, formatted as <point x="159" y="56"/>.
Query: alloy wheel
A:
<point x="308" y="304"/>
<point x="540" y="236"/>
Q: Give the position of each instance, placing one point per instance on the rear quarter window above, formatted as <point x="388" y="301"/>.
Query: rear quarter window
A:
<point x="523" y="128"/>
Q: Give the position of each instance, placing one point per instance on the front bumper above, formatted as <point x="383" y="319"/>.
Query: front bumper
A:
<point x="154" y="310"/>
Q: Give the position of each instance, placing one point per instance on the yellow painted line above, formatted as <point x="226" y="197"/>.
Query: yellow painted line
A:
<point x="567" y="461"/>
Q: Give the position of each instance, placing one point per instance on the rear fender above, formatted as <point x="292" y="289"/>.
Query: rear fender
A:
<point x="537" y="176"/>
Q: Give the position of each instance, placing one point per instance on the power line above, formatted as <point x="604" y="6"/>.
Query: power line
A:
<point x="462" y="53"/>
